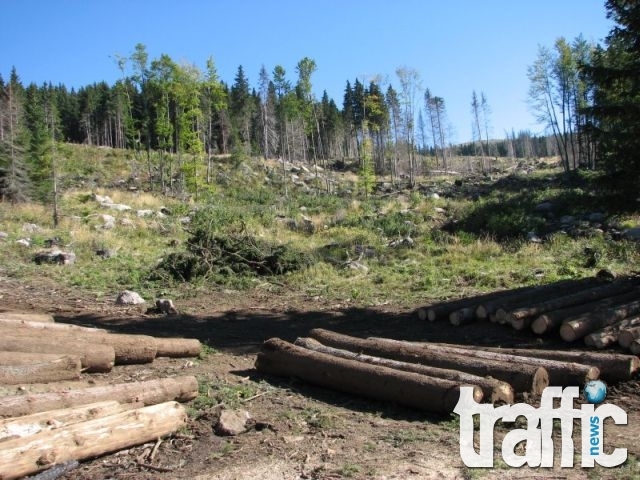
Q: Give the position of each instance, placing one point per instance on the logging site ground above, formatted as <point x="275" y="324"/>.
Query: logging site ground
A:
<point x="286" y="265"/>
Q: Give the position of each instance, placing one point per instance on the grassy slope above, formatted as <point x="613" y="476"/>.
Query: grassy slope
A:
<point x="485" y="249"/>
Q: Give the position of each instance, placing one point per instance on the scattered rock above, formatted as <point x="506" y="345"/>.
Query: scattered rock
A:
<point x="533" y="238"/>
<point x="108" y="221"/>
<point x="435" y="196"/>
<point x="101" y="198"/>
<point x="567" y="220"/>
<point x="4" y="235"/>
<point x="57" y="257"/>
<point x="439" y="210"/>
<point x="25" y="242"/>
<point x="127" y="222"/>
<point x="597" y="217"/>
<point x="544" y="207"/>
<point x="354" y="265"/>
<point x="31" y="228"/>
<point x="184" y="220"/>
<point x="144" y="213"/>
<point x="232" y="422"/>
<point x="127" y="297"/>
<point x="165" y="211"/>
<point x="52" y="242"/>
<point x="120" y="207"/>
<point x="166" y="306"/>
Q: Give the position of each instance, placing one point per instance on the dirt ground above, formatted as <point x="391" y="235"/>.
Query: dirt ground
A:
<point x="300" y="431"/>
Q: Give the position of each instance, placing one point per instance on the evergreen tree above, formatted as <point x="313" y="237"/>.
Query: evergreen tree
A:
<point x="14" y="178"/>
<point x="615" y="116"/>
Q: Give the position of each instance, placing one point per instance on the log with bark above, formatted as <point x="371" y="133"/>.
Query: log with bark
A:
<point x="463" y="316"/>
<point x="128" y="348"/>
<point x="522" y="377"/>
<point x="608" y="336"/>
<point x="628" y="334"/>
<point x="31" y="424"/>
<point x="614" y="367"/>
<point x="23" y="456"/>
<point x="150" y="392"/>
<point x="93" y="357"/>
<point x="552" y="320"/>
<point x="522" y="298"/>
<point x="521" y="318"/>
<point x="177" y="347"/>
<point x="635" y="347"/>
<point x="577" y="327"/>
<point x="561" y="373"/>
<point x="492" y="389"/>
<point x="436" y="395"/>
<point x="20" y="367"/>
<point x="31" y="317"/>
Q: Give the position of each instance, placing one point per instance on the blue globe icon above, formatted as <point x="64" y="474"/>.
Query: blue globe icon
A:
<point x="595" y="391"/>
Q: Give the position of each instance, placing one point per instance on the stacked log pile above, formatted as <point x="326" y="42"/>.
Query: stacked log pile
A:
<point x="428" y="376"/>
<point x="41" y="430"/>
<point x="601" y="312"/>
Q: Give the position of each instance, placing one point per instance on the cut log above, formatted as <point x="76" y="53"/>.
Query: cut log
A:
<point x="31" y="317"/>
<point x="177" y="347"/>
<point x="149" y="392"/>
<point x="129" y="349"/>
<point x="14" y="322"/>
<point x="614" y="367"/>
<point x="284" y="359"/>
<point x="522" y="317"/>
<point x="38" y="422"/>
<point x="443" y="310"/>
<point x="521" y="298"/>
<point x="20" y="367"/>
<point x="635" y="347"/>
<point x="492" y="389"/>
<point x="23" y="456"/>
<point x="561" y="373"/>
<point x="628" y="335"/>
<point x="552" y="320"/>
<point x="462" y="317"/>
<point x="522" y="377"/>
<point x="608" y="336"/>
<point x="577" y="327"/>
<point x="93" y="357"/>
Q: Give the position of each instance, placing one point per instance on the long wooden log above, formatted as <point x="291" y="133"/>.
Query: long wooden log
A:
<point x="522" y="377"/>
<point x="521" y="318"/>
<point x="436" y="395"/>
<point x="93" y="357"/>
<point x="14" y="322"/>
<point x="608" y="336"/>
<point x="20" y="367"/>
<point x="177" y="347"/>
<point x="519" y="298"/>
<point x="577" y="327"/>
<point x="614" y="367"/>
<point x="49" y="420"/>
<point x="23" y="456"/>
<point x="628" y="334"/>
<point x="492" y="389"/>
<point x="31" y="317"/>
<point x="128" y="348"/>
<point x="561" y="373"/>
<point x="149" y="392"/>
<point x="552" y="320"/>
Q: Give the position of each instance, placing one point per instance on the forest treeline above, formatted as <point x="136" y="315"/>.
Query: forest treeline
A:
<point x="176" y="117"/>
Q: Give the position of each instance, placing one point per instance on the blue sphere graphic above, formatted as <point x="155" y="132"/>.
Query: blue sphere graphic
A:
<point x="595" y="391"/>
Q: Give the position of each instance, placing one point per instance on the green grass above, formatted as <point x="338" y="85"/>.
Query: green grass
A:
<point x="481" y="248"/>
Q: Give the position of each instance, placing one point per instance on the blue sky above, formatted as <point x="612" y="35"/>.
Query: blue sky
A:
<point x="456" y="46"/>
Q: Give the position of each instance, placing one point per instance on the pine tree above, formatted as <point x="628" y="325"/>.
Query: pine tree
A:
<point x="14" y="178"/>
